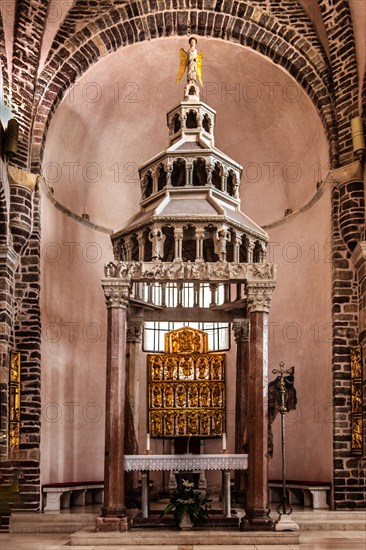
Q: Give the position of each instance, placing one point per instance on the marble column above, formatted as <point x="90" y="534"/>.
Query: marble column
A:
<point x="241" y="334"/>
<point x="257" y="512"/>
<point x="135" y="365"/>
<point x="117" y="292"/>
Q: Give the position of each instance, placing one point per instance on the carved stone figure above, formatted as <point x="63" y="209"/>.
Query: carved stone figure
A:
<point x="192" y="62"/>
<point x="222" y="237"/>
<point x="157" y="239"/>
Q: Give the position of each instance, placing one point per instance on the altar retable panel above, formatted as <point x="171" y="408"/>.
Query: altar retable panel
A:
<point x="186" y="387"/>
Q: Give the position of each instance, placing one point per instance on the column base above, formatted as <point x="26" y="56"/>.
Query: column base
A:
<point x="285" y="523"/>
<point x="257" y="520"/>
<point x="105" y="524"/>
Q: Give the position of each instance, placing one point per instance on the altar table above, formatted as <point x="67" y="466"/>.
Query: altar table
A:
<point x="186" y="463"/>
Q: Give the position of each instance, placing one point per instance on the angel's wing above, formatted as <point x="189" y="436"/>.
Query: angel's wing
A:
<point x="183" y="63"/>
<point x="199" y="67"/>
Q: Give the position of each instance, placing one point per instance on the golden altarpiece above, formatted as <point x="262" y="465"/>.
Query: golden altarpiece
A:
<point x="188" y="255"/>
<point x="186" y="390"/>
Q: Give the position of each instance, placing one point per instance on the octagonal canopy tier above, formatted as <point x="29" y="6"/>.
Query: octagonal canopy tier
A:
<point x="190" y="205"/>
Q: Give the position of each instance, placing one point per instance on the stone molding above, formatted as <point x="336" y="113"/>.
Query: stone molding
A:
<point x="259" y="296"/>
<point x="191" y="271"/>
<point x="20" y="177"/>
<point x="116" y="293"/>
<point x="241" y="330"/>
<point x="346" y="174"/>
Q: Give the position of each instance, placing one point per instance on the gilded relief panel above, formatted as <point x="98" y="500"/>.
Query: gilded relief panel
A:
<point x="186" y="387"/>
<point x="356" y="400"/>
<point x="14" y="401"/>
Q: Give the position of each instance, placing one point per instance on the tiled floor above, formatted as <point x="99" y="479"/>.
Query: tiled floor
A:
<point x="309" y="540"/>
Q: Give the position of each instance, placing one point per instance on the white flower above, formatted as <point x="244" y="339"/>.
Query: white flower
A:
<point x="186" y="483"/>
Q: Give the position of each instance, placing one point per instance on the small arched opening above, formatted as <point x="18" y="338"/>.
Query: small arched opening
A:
<point x="217" y="176"/>
<point x="179" y="173"/>
<point x="147" y="187"/>
<point x="148" y="245"/>
<point x="189" y="244"/>
<point x="209" y="254"/>
<point x="161" y="177"/>
<point x="243" y="250"/>
<point x="169" y="245"/>
<point x="176" y="123"/>
<point x="134" y="248"/>
<point x="191" y="120"/>
<point x="199" y="177"/>
<point x="206" y="124"/>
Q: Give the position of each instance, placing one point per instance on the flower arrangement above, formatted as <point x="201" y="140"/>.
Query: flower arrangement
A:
<point x="187" y="501"/>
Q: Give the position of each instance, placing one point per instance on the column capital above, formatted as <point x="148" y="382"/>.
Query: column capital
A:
<point x="116" y="293"/>
<point x="241" y="330"/>
<point x="134" y="331"/>
<point x="345" y="174"/>
<point x="20" y="177"/>
<point x="259" y="296"/>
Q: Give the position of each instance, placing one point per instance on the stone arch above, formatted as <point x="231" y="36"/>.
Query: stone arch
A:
<point x="161" y="177"/>
<point x="177" y="124"/>
<point x="209" y="254"/>
<point x="337" y="19"/>
<point x="147" y="185"/>
<point x="3" y="215"/>
<point x="178" y="173"/>
<point x="248" y="26"/>
<point x="191" y="119"/>
<point x="199" y="176"/>
<point x="207" y="124"/>
<point x="217" y="173"/>
<point x="169" y="244"/>
<point x="189" y="243"/>
<point x="4" y="63"/>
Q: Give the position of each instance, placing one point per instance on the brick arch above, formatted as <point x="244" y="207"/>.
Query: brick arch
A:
<point x="254" y="29"/>
<point x="338" y="24"/>
<point x="4" y="63"/>
<point x="3" y="215"/>
<point x="286" y="12"/>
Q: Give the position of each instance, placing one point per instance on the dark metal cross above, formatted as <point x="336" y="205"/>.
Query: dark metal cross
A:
<point x="286" y="508"/>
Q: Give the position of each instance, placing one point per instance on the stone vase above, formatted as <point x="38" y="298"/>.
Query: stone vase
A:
<point x="186" y="523"/>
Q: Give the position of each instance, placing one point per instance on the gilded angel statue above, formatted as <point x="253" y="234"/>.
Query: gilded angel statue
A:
<point x="192" y="61"/>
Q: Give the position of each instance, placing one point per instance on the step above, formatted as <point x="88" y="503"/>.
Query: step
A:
<point x="49" y="522"/>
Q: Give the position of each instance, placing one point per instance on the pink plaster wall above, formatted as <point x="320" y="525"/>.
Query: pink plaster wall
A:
<point x="116" y="118"/>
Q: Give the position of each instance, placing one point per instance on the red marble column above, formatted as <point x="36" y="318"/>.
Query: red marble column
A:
<point x="241" y="334"/>
<point x="114" y="511"/>
<point x="257" y="511"/>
